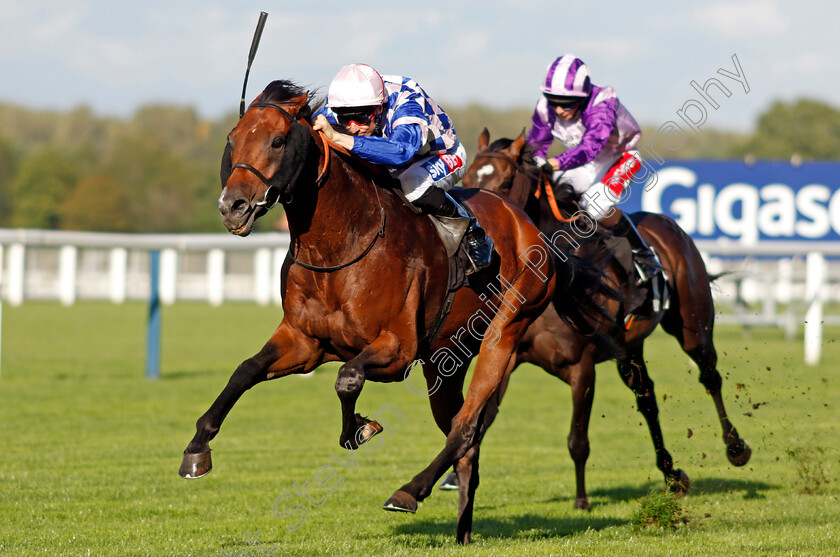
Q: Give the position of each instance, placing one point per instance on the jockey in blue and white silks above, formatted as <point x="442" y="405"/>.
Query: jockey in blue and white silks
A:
<point x="597" y="130"/>
<point x="412" y="136"/>
<point x="391" y="121"/>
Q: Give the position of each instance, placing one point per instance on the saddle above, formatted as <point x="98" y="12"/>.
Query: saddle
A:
<point x="453" y="233"/>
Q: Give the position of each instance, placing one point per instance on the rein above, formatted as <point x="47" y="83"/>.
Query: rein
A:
<point x="545" y="183"/>
<point x="328" y="146"/>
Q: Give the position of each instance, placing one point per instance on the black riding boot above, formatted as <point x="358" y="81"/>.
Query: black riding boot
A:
<point x="440" y="204"/>
<point x="644" y="258"/>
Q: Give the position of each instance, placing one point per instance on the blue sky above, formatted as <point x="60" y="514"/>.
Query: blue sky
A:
<point x="115" y="56"/>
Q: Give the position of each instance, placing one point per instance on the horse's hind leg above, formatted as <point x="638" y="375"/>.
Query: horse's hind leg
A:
<point x="287" y="351"/>
<point x="633" y="372"/>
<point x="691" y="321"/>
<point x="696" y="341"/>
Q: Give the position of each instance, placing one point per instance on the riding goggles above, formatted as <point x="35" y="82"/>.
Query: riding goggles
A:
<point x="361" y="116"/>
<point x="566" y="103"/>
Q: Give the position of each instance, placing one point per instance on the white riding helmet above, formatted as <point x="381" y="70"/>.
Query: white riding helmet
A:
<point x="567" y="76"/>
<point x="356" y="85"/>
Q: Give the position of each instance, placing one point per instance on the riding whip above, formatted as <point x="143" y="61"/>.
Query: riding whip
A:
<point x="254" y="44"/>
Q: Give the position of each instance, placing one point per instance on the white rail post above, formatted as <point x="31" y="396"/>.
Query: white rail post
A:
<point x="785" y="295"/>
<point x="815" y="266"/>
<point x="215" y="277"/>
<point x="168" y="276"/>
<point x="67" y="275"/>
<point x="17" y="267"/>
<point x="117" y="274"/>
<point x="262" y="276"/>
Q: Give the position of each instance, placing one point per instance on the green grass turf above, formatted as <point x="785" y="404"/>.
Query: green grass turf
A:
<point x="89" y="450"/>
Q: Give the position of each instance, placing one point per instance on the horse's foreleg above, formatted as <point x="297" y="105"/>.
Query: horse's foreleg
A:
<point x="491" y="367"/>
<point x="287" y="351"/>
<point x="582" y="382"/>
<point x="634" y="373"/>
<point x="382" y="356"/>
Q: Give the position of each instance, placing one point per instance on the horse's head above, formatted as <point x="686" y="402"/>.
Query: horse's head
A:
<point x="265" y="156"/>
<point x="505" y="166"/>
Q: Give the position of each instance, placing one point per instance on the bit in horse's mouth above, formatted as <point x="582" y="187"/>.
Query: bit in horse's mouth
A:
<point x="248" y="225"/>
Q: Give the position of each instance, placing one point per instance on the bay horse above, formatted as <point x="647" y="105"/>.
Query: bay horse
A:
<point x="507" y="166"/>
<point x="364" y="283"/>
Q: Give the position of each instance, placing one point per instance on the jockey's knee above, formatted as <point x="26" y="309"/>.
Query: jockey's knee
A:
<point x="596" y="203"/>
<point x="434" y="201"/>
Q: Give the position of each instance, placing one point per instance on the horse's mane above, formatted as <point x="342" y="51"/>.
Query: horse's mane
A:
<point x="282" y="91"/>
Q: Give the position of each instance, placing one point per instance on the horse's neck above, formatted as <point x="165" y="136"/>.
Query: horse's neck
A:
<point x="338" y="217"/>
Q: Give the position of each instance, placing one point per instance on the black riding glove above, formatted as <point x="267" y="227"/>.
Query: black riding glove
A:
<point x="547" y="169"/>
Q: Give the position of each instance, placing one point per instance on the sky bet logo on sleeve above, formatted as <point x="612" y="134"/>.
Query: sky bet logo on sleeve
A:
<point x="441" y="166"/>
<point x="766" y="201"/>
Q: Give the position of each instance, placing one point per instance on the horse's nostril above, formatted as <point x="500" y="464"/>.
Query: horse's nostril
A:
<point x="239" y="206"/>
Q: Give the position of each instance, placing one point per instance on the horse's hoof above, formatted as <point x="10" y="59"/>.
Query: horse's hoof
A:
<point x="739" y="453"/>
<point x="368" y="430"/>
<point x="195" y="465"/>
<point x="401" y="502"/>
<point x="365" y="430"/>
<point x="449" y="483"/>
<point x="582" y="503"/>
<point x="679" y="482"/>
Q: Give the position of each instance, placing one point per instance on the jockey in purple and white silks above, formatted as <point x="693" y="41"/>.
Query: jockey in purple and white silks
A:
<point x="600" y="135"/>
<point x="595" y="127"/>
<point x="391" y="121"/>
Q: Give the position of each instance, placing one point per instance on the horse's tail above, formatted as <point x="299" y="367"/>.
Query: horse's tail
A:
<point x="713" y="278"/>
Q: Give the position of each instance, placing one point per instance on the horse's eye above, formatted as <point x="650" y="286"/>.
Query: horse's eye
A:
<point x="277" y="142"/>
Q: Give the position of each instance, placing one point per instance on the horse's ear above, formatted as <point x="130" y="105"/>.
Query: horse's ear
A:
<point x="298" y="102"/>
<point x="516" y="147"/>
<point x="483" y="140"/>
<point x="227" y="165"/>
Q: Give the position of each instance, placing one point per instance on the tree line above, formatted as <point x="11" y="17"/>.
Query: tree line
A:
<point x="158" y="171"/>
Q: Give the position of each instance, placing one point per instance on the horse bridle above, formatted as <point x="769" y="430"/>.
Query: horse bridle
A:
<point x="541" y="185"/>
<point x="319" y="181"/>
<point x="496" y="155"/>
<point x="266" y="201"/>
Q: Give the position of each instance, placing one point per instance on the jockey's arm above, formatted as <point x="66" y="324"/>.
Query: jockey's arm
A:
<point x="540" y="134"/>
<point x="600" y="121"/>
<point x="393" y="151"/>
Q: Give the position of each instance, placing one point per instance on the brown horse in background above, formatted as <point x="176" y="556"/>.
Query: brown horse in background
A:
<point x="364" y="283"/>
<point x="561" y="349"/>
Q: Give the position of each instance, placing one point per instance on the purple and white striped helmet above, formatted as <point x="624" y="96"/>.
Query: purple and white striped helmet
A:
<point x="567" y="76"/>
